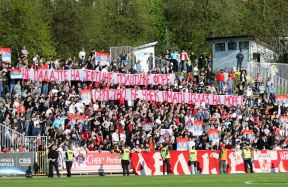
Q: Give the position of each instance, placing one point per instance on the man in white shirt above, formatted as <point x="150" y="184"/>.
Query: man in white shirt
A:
<point x="249" y="92"/>
<point x="80" y="107"/>
<point x="115" y="137"/>
<point x="24" y="52"/>
<point x="82" y="54"/>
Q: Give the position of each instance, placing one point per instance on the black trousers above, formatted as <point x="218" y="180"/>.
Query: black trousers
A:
<point x="166" y="164"/>
<point x="51" y="165"/>
<point x="246" y="163"/>
<point x="68" y="168"/>
<point x="125" y="167"/>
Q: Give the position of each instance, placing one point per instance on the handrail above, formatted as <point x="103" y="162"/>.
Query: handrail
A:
<point x="10" y="138"/>
<point x="280" y="83"/>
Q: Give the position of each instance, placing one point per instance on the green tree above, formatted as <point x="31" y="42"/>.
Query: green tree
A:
<point x="26" y="23"/>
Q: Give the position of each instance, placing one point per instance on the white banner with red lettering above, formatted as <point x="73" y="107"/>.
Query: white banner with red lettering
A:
<point x="92" y="75"/>
<point x="94" y="161"/>
<point x="166" y="96"/>
<point x="150" y="163"/>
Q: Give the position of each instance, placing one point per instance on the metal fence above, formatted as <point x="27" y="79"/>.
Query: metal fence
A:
<point x="10" y="138"/>
<point x="276" y="69"/>
<point x="115" y="53"/>
<point x="265" y="71"/>
<point x="41" y="159"/>
<point x="36" y="143"/>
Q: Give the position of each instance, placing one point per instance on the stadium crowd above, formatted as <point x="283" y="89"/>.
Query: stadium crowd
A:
<point x="43" y="108"/>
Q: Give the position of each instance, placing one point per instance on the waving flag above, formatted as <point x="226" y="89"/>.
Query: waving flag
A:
<point x="250" y="134"/>
<point x="213" y="135"/>
<point x="104" y="58"/>
<point x="6" y="56"/>
<point x="197" y="128"/>
<point x="282" y="98"/>
<point x="16" y="74"/>
<point x="85" y="95"/>
<point x="147" y="126"/>
<point x="182" y="144"/>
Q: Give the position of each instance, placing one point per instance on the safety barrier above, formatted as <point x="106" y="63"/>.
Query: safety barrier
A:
<point x="264" y="161"/>
<point x="36" y="143"/>
<point x="279" y="83"/>
<point x="9" y="138"/>
<point x="41" y="163"/>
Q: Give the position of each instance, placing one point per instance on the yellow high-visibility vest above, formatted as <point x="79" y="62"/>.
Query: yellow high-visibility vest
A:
<point x="224" y="154"/>
<point x="165" y="153"/>
<point x="69" y="156"/>
<point x="126" y="154"/>
<point x="246" y="153"/>
<point x="193" y="155"/>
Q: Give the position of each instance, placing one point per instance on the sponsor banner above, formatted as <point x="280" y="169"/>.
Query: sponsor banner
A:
<point x="147" y="126"/>
<point x="165" y="96"/>
<point x="235" y="161"/>
<point x="94" y="161"/>
<point x="85" y="95"/>
<point x="103" y="58"/>
<point x="213" y="135"/>
<point x="15" y="163"/>
<point x="265" y="161"/>
<point x="95" y="76"/>
<point x="196" y="128"/>
<point x="283" y="160"/>
<point x="182" y="144"/>
<point x="15" y="73"/>
<point x="248" y="133"/>
<point x="150" y="163"/>
<point x="6" y="55"/>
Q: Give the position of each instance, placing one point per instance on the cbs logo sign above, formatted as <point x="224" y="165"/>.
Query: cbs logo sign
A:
<point x="25" y="161"/>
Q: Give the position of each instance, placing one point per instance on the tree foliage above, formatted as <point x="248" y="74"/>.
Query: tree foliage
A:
<point x="26" y="23"/>
<point x="63" y="27"/>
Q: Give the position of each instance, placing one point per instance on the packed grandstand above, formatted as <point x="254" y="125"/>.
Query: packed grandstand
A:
<point x="181" y="102"/>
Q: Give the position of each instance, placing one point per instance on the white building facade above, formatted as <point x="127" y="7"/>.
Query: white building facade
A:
<point x="225" y="49"/>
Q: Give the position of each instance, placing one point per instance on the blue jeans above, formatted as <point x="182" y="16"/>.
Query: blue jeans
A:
<point x="5" y="89"/>
<point x="123" y="62"/>
<point x="194" y="168"/>
<point x="184" y="66"/>
<point x="257" y="85"/>
<point x="45" y="90"/>
<point x="11" y="89"/>
<point x="220" y="86"/>
<point x="1" y="90"/>
<point x="231" y="87"/>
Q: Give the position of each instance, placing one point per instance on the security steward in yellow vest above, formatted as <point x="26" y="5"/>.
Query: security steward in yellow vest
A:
<point x="165" y="154"/>
<point x="223" y="159"/>
<point x="246" y="154"/>
<point x="69" y="157"/>
<point x="193" y="160"/>
<point x="125" y="159"/>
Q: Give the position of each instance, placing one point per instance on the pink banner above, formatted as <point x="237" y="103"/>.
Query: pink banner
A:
<point x="95" y="76"/>
<point x="165" y="96"/>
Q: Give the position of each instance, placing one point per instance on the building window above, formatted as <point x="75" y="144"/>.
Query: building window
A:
<point x="244" y="45"/>
<point x="231" y="46"/>
<point x="219" y="47"/>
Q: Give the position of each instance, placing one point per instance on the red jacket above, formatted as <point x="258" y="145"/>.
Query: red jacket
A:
<point x="232" y="76"/>
<point x="220" y="77"/>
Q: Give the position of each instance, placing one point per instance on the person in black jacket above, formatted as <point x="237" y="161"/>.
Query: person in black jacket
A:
<point x="53" y="160"/>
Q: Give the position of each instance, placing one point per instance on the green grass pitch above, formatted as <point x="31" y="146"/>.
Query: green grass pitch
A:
<point x="233" y="180"/>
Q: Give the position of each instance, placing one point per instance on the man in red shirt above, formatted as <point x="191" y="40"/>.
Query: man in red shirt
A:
<point x="220" y="80"/>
